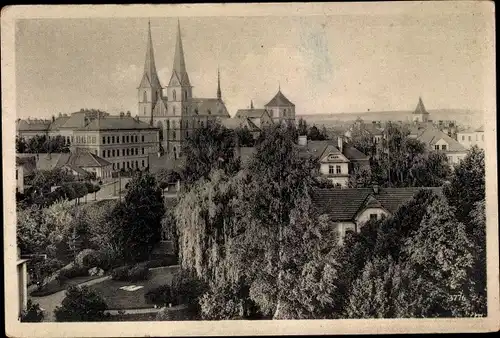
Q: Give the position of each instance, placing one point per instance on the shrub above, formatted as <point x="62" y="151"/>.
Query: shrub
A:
<point x="138" y="273"/>
<point x="156" y="263"/>
<point x="161" y="295"/>
<point x="74" y="271"/>
<point x="120" y="273"/>
<point x="187" y="288"/>
<point x="32" y="314"/>
<point x="93" y="259"/>
<point x="130" y="273"/>
<point x="81" y="304"/>
<point x="80" y="257"/>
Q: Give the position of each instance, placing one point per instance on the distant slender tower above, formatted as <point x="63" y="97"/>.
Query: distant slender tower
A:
<point x="150" y="88"/>
<point x="219" y="93"/>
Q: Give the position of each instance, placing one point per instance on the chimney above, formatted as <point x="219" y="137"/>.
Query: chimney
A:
<point x="340" y="143"/>
<point x="302" y="140"/>
<point x="122" y="114"/>
<point x="375" y="188"/>
<point x="128" y="114"/>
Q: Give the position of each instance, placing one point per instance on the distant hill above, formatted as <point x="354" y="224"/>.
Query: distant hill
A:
<point x="463" y="117"/>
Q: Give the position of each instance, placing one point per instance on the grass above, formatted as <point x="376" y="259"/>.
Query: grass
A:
<point x="135" y="317"/>
<point x="53" y="286"/>
<point x="117" y="299"/>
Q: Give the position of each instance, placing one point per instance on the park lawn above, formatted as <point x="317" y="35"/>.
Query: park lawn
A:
<point x="133" y="317"/>
<point x="53" y="286"/>
<point x="117" y="299"/>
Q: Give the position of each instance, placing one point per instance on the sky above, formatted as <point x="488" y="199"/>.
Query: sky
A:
<point x="331" y="63"/>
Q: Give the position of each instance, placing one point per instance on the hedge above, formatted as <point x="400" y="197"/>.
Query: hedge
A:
<point x="161" y="295"/>
<point x="130" y="273"/>
<point x="68" y="191"/>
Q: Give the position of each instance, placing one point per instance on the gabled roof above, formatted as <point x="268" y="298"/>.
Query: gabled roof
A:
<point x="354" y="154"/>
<point x="87" y="159"/>
<point x="210" y="107"/>
<point x="279" y="100"/>
<point x="235" y="122"/>
<point x="160" y="108"/>
<point x="344" y="204"/>
<point x="432" y="135"/>
<point x="59" y="122"/>
<point x="250" y="113"/>
<point x="33" y="125"/>
<point x="332" y="150"/>
<point x="76" y="169"/>
<point x="117" y="122"/>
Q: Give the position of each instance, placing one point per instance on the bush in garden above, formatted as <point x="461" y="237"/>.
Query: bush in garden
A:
<point x="81" y="304"/>
<point x="32" y="314"/>
<point x="161" y="295"/>
<point x="187" y="288"/>
<point x="130" y="273"/>
<point x="80" y="257"/>
<point x="74" y="271"/>
<point x="138" y="273"/>
<point x="120" y="273"/>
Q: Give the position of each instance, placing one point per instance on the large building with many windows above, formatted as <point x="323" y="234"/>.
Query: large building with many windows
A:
<point x="123" y="141"/>
<point x="173" y="109"/>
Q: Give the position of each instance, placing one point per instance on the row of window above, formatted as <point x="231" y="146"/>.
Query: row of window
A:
<point x="334" y="169"/>
<point x="124" y="138"/>
<point x="443" y="147"/>
<point x="128" y="165"/>
<point x="174" y="95"/>
<point x="470" y="138"/>
<point x="124" y="152"/>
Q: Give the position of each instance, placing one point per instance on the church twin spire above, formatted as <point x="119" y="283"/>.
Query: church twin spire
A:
<point x="150" y="76"/>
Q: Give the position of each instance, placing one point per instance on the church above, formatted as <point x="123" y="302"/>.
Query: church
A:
<point x="178" y="113"/>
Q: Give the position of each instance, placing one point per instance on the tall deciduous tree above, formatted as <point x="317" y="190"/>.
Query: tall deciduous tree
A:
<point x="137" y="221"/>
<point x="434" y="280"/>
<point x="209" y="147"/>
<point x="467" y="184"/>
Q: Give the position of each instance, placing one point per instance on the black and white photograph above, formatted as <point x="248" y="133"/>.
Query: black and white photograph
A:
<point x="250" y="169"/>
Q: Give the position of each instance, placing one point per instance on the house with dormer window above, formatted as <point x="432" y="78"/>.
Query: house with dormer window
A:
<point x="350" y="209"/>
<point x="436" y="140"/>
<point x="337" y="160"/>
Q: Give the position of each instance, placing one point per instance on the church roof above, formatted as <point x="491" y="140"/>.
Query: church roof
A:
<point x="179" y="69"/>
<point x="150" y="76"/>
<point x="210" y="106"/>
<point x="420" y="107"/>
<point x="250" y="113"/>
<point x="279" y="100"/>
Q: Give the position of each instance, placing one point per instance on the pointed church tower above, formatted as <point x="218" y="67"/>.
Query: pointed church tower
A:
<point x="149" y="89"/>
<point x="219" y="93"/>
<point x="179" y="87"/>
<point x="420" y="114"/>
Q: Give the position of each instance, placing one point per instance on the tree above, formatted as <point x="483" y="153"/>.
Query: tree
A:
<point x="21" y="145"/>
<point x="372" y="293"/>
<point x="434" y="280"/>
<point x="315" y="135"/>
<point x="244" y="137"/>
<point x="137" y="221"/>
<point x="33" y="313"/>
<point x="211" y="146"/>
<point x="430" y="169"/>
<point x="302" y="127"/>
<point x="81" y="304"/>
<point x="467" y="185"/>
<point x="478" y="273"/>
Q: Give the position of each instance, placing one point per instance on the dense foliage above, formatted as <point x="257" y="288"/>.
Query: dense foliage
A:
<point x="32" y="314"/>
<point x="81" y="304"/>
<point x="42" y="144"/>
<point x="136" y="222"/>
